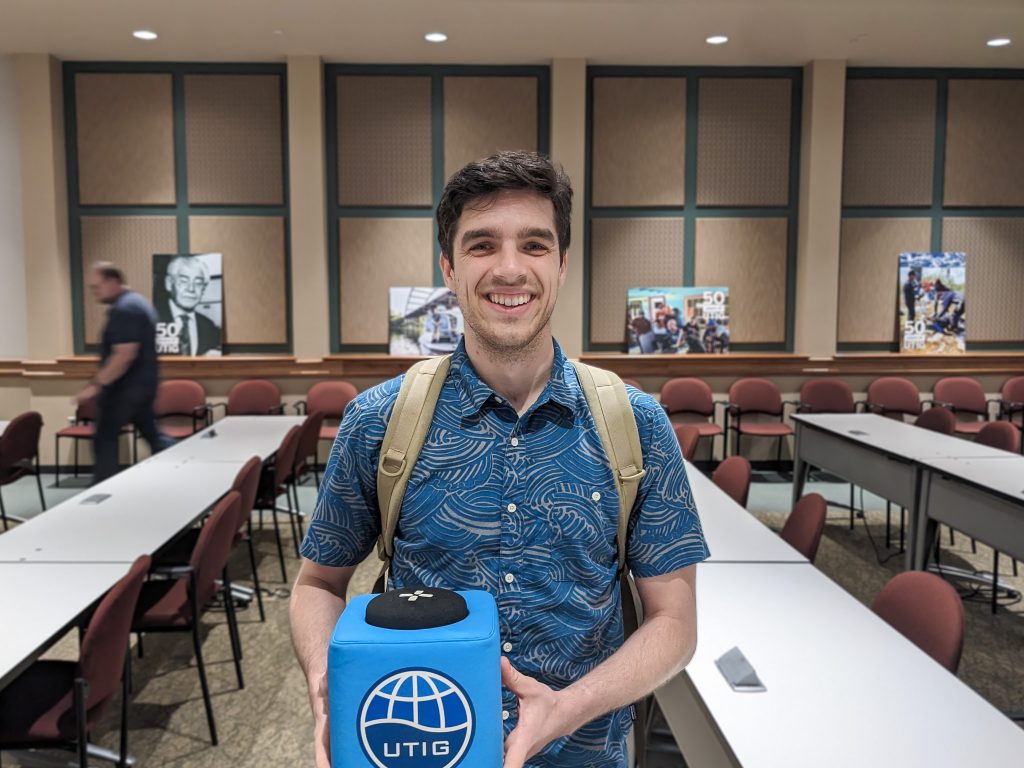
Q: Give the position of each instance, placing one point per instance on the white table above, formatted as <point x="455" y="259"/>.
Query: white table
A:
<point x="732" y="533"/>
<point x="148" y="506"/>
<point x="3" y="426"/>
<point x="41" y="602"/>
<point x="982" y="498"/>
<point x="843" y="687"/>
<point x="233" y="438"/>
<point x="879" y="454"/>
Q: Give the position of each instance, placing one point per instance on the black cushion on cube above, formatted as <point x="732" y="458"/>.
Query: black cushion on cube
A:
<point x="416" y="607"/>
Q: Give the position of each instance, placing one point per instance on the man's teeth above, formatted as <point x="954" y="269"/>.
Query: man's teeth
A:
<point x="509" y="301"/>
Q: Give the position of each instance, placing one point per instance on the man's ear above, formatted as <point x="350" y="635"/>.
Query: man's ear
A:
<point x="169" y="283"/>
<point x="447" y="272"/>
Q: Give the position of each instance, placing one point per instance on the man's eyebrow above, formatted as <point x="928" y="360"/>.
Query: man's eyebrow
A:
<point x="473" y="234"/>
<point x="539" y="232"/>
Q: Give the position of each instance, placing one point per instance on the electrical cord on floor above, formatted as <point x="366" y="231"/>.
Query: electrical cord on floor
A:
<point x="867" y="529"/>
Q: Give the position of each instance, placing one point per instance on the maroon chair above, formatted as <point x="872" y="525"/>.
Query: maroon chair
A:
<point x="82" y="427"/>
<point x="688" y="436"/>
<point x="1011" y="399"/>
<point x="962" y="394"/>
<point x="937" y="419"/>
<point x="330" y="398"/>
<point x="180" y="409"/>
<point x="175" y="605"/>
<point x="252" y="397"/>
<point x="928" y="612"/>
<point x="247" y="483"/>
<point x="19" y="455"/>
<point x="1006" y="437"/>
<point x="276" y="480"/>
<point x="692" y="397"/>
<point x="733" y="477"/>
<point x="829" y="396"/>
<point x="56" y="703"/>
<point x="805" y="525"/>
<point x="893" y="396"/>
<point x="306" y="452"/>
<point x="756" y="396"/>
<point x="633" y="383"/>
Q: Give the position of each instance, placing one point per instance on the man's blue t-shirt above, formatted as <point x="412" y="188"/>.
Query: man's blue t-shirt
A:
<point x="132" y="320"/>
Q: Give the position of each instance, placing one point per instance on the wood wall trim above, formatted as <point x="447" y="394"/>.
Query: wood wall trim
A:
<point x="382" y="366"/>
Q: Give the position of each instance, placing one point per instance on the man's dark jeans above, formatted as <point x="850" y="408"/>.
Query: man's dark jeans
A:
<point x="116" y="408"/>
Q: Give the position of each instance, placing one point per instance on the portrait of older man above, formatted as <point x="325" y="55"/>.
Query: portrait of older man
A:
<point x="186" y="326"/>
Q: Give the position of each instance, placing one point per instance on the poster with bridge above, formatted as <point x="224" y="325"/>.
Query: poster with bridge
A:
<point x="932" y="317"/>
<point x="423" y="321"/>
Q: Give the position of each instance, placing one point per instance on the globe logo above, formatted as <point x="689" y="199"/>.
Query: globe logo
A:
<point x="416" y="718"/>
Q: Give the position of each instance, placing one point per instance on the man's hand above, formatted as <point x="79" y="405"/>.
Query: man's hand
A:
<point x="89" y="392"/>
<point x="542" y="716"/>
<point x="321" y="725"/>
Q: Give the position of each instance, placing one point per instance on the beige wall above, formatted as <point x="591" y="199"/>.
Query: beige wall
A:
<point x="13" y="308"/>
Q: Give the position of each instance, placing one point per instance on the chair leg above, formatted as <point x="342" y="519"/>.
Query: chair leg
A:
<point x="202" y="679"/>
<point x="81" y="691"/>
<point x="39" y="484"/>
<point x="56" y="461"/>
<point x="903" y="514"/>
<point x="236" y="640"/>
<point x="3" y="512"/>
<point x="952" y="538"/>
<point x="255" y="575"/>
<point x="888" y="524"/>
<point x="974" y="546"/>
<point x="76" y="456"/>
<point x="280" y="548"/>
<point x="138" y="642"/>
<point x="122" y="761"/>
<point x="292" y="522"/>
<point x="851" y="507"/>
<point x="995" y="582"/>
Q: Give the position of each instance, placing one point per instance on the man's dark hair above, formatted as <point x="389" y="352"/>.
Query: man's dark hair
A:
<point x="503" y="172"/>
<point x="109" y="271"/>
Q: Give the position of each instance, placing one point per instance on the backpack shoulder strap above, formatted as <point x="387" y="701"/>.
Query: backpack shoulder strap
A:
<point x="403" y="439"/>
<point x="609" y="404"/>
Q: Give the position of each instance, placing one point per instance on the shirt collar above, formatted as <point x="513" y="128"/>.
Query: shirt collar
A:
<point x="476" y="393"/>
<point x="178" y="311"/>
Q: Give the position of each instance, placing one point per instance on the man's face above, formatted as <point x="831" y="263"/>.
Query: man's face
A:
<point x="104" y="290"/>
<point x="186" y="287"/>
<point x="507" y="269"/>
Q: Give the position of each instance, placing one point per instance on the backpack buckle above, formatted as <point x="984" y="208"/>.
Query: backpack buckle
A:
<point x="631" y="474"/>
<point x="392" y="463"/>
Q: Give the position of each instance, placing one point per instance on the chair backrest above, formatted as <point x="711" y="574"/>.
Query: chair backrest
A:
<point x="687" y="395"/>
<point x="309" y="439"/>
<point x="253" y="397"/>
<point x="247" y="483"/>
<point x="962" y="393"/>
<point x="805" y="524"/>
<point x="826" y="396"/>
<point x="937" y="419"/>
<point x="20" y="440"/>
<point x="733" y="477"/>
<point x="101" y="658"/>
<point x="213" y="547"/>
<point x="330" y="398"/>
<point x="86" y="410"/>
<point x="178" y="397"/>
<point x="928" y="612"/>
<point x="688" y="436"/>
<point x="284" y="459"/>
<point x="1000" y="434"/>
<point x="894" y="394"/>
<point x="1013" y="390"/>
<point x="755" y="395"/>
<point x="633" y="383"/>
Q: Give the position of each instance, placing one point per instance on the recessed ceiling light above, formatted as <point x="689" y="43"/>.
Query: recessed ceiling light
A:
<point x="998" y="42"/>
<point x="717" y="40"/>
<point x="144" y="34"/>
<point x="435" y="37"/>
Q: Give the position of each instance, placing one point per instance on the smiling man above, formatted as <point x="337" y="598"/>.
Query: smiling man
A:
<point x="513" y="493"/>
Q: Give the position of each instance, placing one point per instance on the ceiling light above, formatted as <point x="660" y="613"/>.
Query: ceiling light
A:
<point x="717" y="40"/>
<point x="998" y="42"/>
<point x="144" y="34"/>
<point x="435" y="37"/>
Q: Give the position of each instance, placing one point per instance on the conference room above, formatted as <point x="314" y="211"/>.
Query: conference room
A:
<point x="779" y="211"/>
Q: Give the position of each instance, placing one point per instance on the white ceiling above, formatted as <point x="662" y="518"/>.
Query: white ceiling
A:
<point x="926" y="33"/>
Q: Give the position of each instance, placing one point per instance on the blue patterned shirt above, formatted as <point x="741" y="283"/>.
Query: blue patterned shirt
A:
<point x="526" y="508"/>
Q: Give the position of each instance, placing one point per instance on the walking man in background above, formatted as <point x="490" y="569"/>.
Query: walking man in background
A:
<point x="124" y="387"/>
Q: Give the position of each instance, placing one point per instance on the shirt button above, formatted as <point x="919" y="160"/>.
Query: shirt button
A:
<point x="515" y="441"/>
<point x="505" y="715"/>
<point x="596" y="496"/>
<point x="509" y="578"/>
<point x="511" y="507"/>
<point x="507" y="647"/>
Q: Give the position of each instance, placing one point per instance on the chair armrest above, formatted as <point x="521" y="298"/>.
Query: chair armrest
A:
<point x="211" y="406"/>
<point x="300" y="407"/>
<point x="936" y="404"/>
<point x="174" y="571"/>
<point x="276" y="410"/>
<point x="864" y="406"/>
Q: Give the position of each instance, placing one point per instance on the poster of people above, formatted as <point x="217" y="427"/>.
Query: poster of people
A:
<point x="678" y="321"/>
<point x="932" y="304"/>
<point x="423" y="321"/>
<point x="188" y="293"/>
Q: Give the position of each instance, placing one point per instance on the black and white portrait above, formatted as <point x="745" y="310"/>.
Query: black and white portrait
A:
<point x="188" y="296"/>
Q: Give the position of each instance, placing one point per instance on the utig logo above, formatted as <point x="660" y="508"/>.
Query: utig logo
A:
<point x="416" y="718"/>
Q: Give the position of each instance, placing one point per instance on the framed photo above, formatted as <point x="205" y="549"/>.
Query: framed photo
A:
<point x="678" y="320"/>
<point x="188" y="293"/>
<point x="423" y="321"/>
<point x="932" y="301"/>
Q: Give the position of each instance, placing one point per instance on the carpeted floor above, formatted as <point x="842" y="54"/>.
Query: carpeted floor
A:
<point x="268" y="723"/>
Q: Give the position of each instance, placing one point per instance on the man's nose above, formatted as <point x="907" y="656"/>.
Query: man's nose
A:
<point x="511" y="265"/>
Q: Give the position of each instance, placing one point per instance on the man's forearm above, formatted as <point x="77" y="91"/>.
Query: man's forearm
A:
<point x="655" y="653"/>
<point x="112" y="370"/>
<point x="313" y="611"/>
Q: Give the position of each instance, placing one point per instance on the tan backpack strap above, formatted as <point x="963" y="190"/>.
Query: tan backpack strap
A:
<point x="405" y="435"/>
<point x="616" y="424"/>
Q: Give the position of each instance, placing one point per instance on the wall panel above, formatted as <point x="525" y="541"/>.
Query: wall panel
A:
<point x="624" y="254"/>
<point x="749" y="256"/>
<point x="639" y="141"/>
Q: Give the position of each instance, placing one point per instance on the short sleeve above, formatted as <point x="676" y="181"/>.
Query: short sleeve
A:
<point x="665" y="532"/>
<point x="346" y="522"/>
